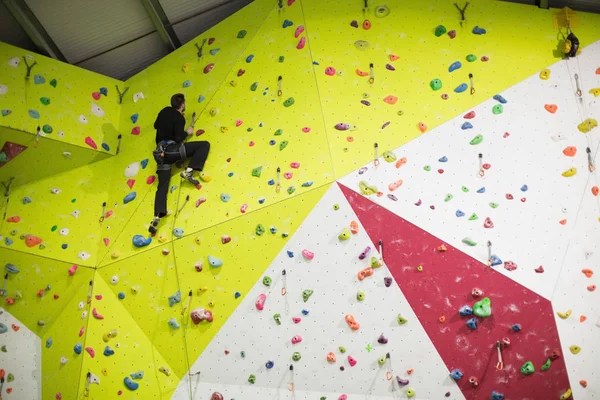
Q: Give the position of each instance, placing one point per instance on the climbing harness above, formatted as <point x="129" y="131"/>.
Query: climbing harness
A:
<point x="103" y="212"/>
<point x="121" y="94"/>
<point x="200" y="48"/>
<point x="278" y="186"/>
<point x="279" y="92"/>
<point x="376" y="159"/>
<point x="578" y="92"/>
<point x="168" y="147"/>
<point x="481" y="170"/>
<point x="371" y="73"/>
<point x="500" y="364"/>
<point x="462" y="12"/>
<point x="591" y="165"/>
<point x="29" y="67"/>
<point x="472" y="85"/>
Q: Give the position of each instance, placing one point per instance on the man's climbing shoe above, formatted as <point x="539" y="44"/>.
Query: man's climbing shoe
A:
<point x="188" y="176"/>
<point x="153" y="228"/>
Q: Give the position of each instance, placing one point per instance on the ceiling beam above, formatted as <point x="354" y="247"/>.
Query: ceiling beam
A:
<point x="161" y="23"/>
<point x="34" y="29"/>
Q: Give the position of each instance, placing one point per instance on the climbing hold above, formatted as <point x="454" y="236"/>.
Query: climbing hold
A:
<point x="570" y="172"/>
<point x="476" y="140"/>
<point x="351" y="361"/>
<point x="175" y="298"/>
<point x="90" y="351"/>
<point x="290" y="101"/>
<point x="454" y="66"/>
<point x="574" y="349"/>
<point x="141" y="241"/>
<point x="200" y="314"/>
<point x="435" y="84"/>
<point x="260" y="301"/>
<point x="360" y="295"/>
<point x="345" y="234"/>
<point x="440" y="30"/>
<point x="242" y="34"/>
<point x="48" y="342"/>
<point x="382" y="11"/>
<point x="496" y="396"/>
<point x="587" y="125"/>
<point x="465" y="310"/>
<point x="527" y="368"/>
<point x="479" y="31"/>
<point x="306" y="294"/>
<point x="466" y="125"/>
<point x="566" y="394"/>
<point x="483" y="308"/>
<point x="516" y="327"/>
<point x="296" y="356"/>
<point x="546" y="365"/>
<point x="130" y="197"/>
<point x="131" y="385"/>
<point x="472" y="323"/>
<point x="551" y="108"/>
<point x="366" y="24"/>
<point x="469" y="242"/>
<point x="410" y="393"/>
<point x="352" y="322"/>
<point x="583" y="383"/>
<point x="401" y="320"/>
<point x="366" y="189"/>
<point x="214" y="262"/>
<point x="456" y="374"/>
<point x="473" y="217"/>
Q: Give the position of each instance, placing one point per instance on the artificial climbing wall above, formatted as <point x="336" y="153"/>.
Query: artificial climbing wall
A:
<point x="322" y="53"/>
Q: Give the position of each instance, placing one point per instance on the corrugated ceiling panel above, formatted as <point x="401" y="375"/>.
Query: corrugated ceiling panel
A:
<point x="193" y="27"/>
<point x="178" y="10"/>
<point x="126" y="61"/>
<point x="11" y="32"/>
<point x="85" y="28"/>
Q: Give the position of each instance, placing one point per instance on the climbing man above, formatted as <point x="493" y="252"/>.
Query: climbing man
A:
<point x="171" y="149"/>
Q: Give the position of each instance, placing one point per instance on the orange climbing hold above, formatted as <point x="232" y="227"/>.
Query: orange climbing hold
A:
<point x="442" y="248"/>
<point x="366" y="24"/>
<point x="598" y="71"/>
<point x="395" y="185"/>
<point x="364" y="273"/>
<point x="582" y="318"/>
<point x="393" y="57"/>
<point x="409" y="371"/>
<point x="588" y="272"/>
<point x="401" y="162"/>
<point x="354" y="227"/>
<point x="422" y="127"/>
<point x="352" y="322"/>
<point x="570" y="151"/>
<point x="31" y="240"/>
<point x="595" y="190"/>
<point x="14" y="219"/>
<point x="361" y="73"/>
<point x="551" y="108"/>
<point x="591" y="288"/>
<point x="562" y="222"/>
<point x="391" y="99"/>
<point x="583" y="383"/>
<point x="442" y="319"/>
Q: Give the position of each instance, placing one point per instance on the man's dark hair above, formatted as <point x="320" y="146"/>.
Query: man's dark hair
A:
<point x="177" y="100"/>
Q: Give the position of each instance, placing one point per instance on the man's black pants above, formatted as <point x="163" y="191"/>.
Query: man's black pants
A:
<point x="197" y="152"/>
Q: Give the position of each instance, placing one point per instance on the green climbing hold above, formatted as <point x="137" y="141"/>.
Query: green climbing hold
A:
<point x="289" y="102"/>
<point x="435" y="84"/>
<point x="448" y="197"/>
<point x="375" y="263"/>
<point x="281" y="59"/>
<point x="388" y="156"/>
<point x="278" y="132"/>
<point x="73" y="201"/>
<point x="494" y="205"/>
<point x="45" y="101"/>
<point x="469" y="242"/>
<point x="336" y="207"/>
<point x="427" y="168"/>
<point x="254" y="86"/>
<point x="10" y="377"/>
<point x="257" y="171"/>
<point x="497" y="109"/>
<point x="527" y="368"/>
<point x="47" y="128"/>
<point x="267" y="281"/>
<point x="342" y="349"/>
<point x="546" y="365"/>
<point x="283" y="144"/>
<point x="249" y="130"/>
<point x="476" y="140"/>
<point x="471" y="57"/>
<point x="296" y="356"/>
<point x="464" y="189"/>
<point x="53" y="83"/>
<point x="277" y="318"/>
<point x="401" y="320"/>
<point x="473" y="217"/>
<point x="291" y="190"/>
<point x="440" y="30"/>
<point x="252" y="379"/>
<point x="360" y="296"/>
<point x="306" y="294"/>
<point x="260" y="229"/>
<point x="55" y="227"/>
<point x="3" y="157"/>
<point x="381" y="360"/>
<point x="483" y="308"/>
<point x="345" y="234"/>
<point x="410" y="393"/>
<point x="366" y="189"/>
<point x="242" y="34"/>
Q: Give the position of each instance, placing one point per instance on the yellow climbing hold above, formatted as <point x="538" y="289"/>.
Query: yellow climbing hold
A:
<point x="569" y="172"/>
<point x="564" y="315"/>
<point x="345" y="235"/>
<point x="587" y="125"/>
<point x="595" y="92"/>
<point x="545" y="74"/>
<point x="366" y="189"/>
<point x="566" y="395"/>
<point x="186" y="67"/>
<point x="575" y="349"/>
<point x="116" y="254"/>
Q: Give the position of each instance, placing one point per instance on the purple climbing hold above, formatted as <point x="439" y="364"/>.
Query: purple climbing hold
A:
<point x="365" y="102"/>
<point x="382" y="339"/>
<point x="402" y="381"/>
<point x="354" y="24"/>
<point x="390" y="67"/>
<point x="387" y="281"/>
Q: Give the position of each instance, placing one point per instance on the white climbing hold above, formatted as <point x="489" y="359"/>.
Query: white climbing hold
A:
<point x="83" y="255"/>
<point x="97" y="111"/>
<point x="64" y="232"/>
<point x="14" y="62"/>
<point x="132" y="169"/>
<point x="67" y="154"/>
<point x="82" y="119"/>
<point x="138" y="96"/>
<point x="75" y="213"/>
<point x="3" y="89"/>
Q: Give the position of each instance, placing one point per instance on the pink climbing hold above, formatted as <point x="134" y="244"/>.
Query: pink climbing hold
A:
<point x="106" y="241"/>
<point x="96" y="314"/>
<point x="301" y="43"/>
<point x="296" y="339"/>
<point x="295" y="165"/>
<point x="238" y="122"/>
<point x="260" y="301"/>
<point x="90" y="142"/>
<point x="251" y="144"/>
<point x="330" y="71"/>
<point x="150" y="180"/>
<point x="90" y="351"/>
<point x="288" y="175"/>
<point x="296" y="320"/>
<point x="200" y="201"/>
<point x="58" y="396"/>
<point x="72" y="270"/>
<point x="108" y="213"/>
<point x="135" y="131"/>
<point x="81" y="331"/>
<point x="130" y="183"/>
<point x="343" y="397"/>
<point x="98" y="297"/>
<point x="308" y="254"/>
<point x="306" y="129"/>
<point x="290" y="2"/>
<point x="96" y="95"/>
<point x="351" y="361"/>
<point x="243" y="208"/>
<point x="299" y="31"/>
<point x="510" y="265"/>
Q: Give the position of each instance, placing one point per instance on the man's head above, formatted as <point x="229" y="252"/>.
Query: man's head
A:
<point x="178" y="102"/>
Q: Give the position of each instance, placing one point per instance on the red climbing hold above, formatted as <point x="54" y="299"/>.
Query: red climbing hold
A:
<point x="469" y="115"/>
<point x="150" y="180"/>
<point x="13" y="219"/>
<point x="488" y="223"/>
<point x="510" y="265"/>
<point x="366" y="24"/>
<point x="509" y="196"/>
<point x="130" y="183"/>
<point x="301" y="43"/>
<point x="225" y="239"/>
<point x="506" y="134"/>
<point x="211" y="40"/>
<point x="209" y="68"/>
<point x="539" y="269"/>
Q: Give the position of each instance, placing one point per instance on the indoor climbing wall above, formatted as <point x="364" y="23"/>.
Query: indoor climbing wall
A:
<point x="297" y="101"/>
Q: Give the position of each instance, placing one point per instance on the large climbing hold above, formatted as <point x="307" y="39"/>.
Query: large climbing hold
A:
<point x="141" y="241"/>
<point x="483" y="308"/>
<point x="527" y="368"/>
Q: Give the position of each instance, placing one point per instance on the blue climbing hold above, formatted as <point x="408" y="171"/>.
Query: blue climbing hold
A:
<point x="38" y="79"/>
<point x="175" y="298"/>
<point x="461" y="88"/>
<point x="496" y="396"/>
<point x="215" y="262"/>
<point x="481" y="190"/>
<point x="8" y="241"/>
<point x="304" y="311"/>
<point x="524" y="188"/>
<point x="307" y="184"/>
<point x="495" y="260"/>
<point x="134" y="117"/>
<point x="290" y="254"/>
<point x="108" y="351"/>
<point x="3" y="328"/>
<point x="443" y="159"/>
<point x="140" y="241"/>
<point x="214" y="51"/>
<point x="249" y="58"/>
<point x="48" y="342"/>
<point x="516" y="328"/>
<point x="187" y="83"/>
<point x="269" y="364"/>
<point x="104" y="91"/>
<point x="466" y="125"/>
<point x="121" y="295"/>
<point x="230" y="174"/>
<point x="273" y="230"/>
<point x="236" y="295"/>
<point x="178" y="232"/>
<point x="454" y="66"/>
<point x="78" y="348"/>
<point x="137" y="375"/>
<point x="131" y="385"/>
<point x="479" y="31"/>
<point x="500" y="99"/>
<point x="129" y="197"/>
<point x="144" y="163"/>
<point x="105" y="146"/>
<point x="6" y="112"/>
<point x="64" y="246"/>
<point x="271" y="182"/>
<point x="27" y="200"/>
<point x="460" y="213"/>
<point x="316" y="63"/>
<point x="225" y="197"/>
<point x="173" y="323"/>
<point x="261" y="200"/>
<point x="201" y="99"/>
<point x="287" y="23"/>
<point x="173" y="188"/>
<point x="472" y="323"/>
<point x="456" y="374"/>
<point x="35" y="114"/>
<point x="465" y="310"/>
<point x="272" y="142"/>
